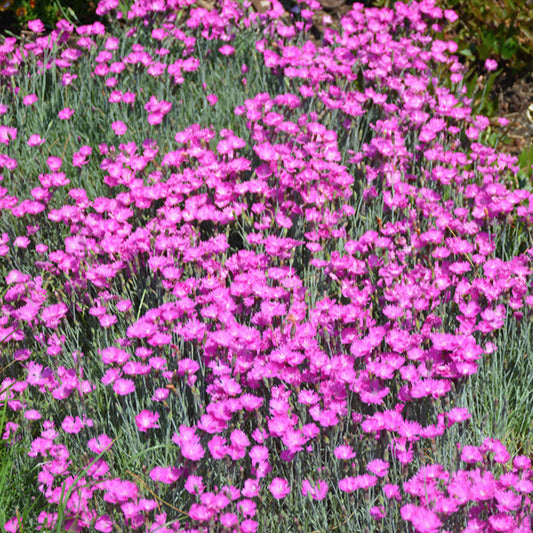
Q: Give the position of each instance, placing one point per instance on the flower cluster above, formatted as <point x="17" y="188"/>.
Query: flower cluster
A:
<point x="273" y="311"/>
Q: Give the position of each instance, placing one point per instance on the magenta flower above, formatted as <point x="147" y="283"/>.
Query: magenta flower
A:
<point x="350" y="484"/>
<point x="104" y="524"/>
<point x="239" y="439"/>
<point x="54" y="163"/>
<point x="146" y="420"/>
<point x="165" y="474"/>
<point x="68" y="78"/>
<point x="229" y="520"/>
<point x="317" y="490"/>
<point x="423" y="520"/>
<point x="107" y="321"/>
<point x="100" y="444"/>
<point x="457" y="414"/>
<point x="227" y="50"/>
<point x="124" y="305"/>
<point x="200" y="512"/>
<point x="35" y="140"/>
<point x="21" y="242"/>
<point x="471" y="454"/>
<point x="155" y="118"/>
<point x="217" y="446"/>
<point x="249" y="526"/>
<point x="72" y="425"/>
<point x="36" y="26"/>
<point x="12" y="525"/>
<point x="53" y="314"/>
<point x="378" y="467"/>
<point x="194" y="484"/>
<point x="251" y="488"/>
<point x="119" y="127"/>
<point x="123" y="387"/>
<point x="392" y="491"/>
<point x="65" y="113"/>
<point x="30" y="99"/>
<point x="344" y="452"/>
<point x="160" y="394"/>
<point x="32" y="414"/>
<point x="491" y="64"/>
<point x="247" y="507"/>
<point x="212" y="99"/>
<point x="279" y="488"/>
<point x="192" y="450"/>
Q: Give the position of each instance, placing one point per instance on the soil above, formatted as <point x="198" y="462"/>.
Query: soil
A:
<point x="515" y="95"/>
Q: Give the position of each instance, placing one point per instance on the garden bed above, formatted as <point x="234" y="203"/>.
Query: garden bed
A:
<point x="259" y="275"/>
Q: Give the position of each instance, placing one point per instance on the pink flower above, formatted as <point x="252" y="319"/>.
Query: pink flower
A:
<point x="229" y="520"/>
<point x="155" y="118"/>
<point x="471" y="454"/>
<point x="392" y="491"/>
<point x="12" y="525"/>
<point x="32" y="414"/>
<point x="491" y="64"/>
<point x="68" y="78"/>
<point x="279" y="488"/>
<point x="217" y="447"/>
<point x="35" y="140"/>
<point x="317" y="490"/>
<point x="119" y="127"/>
<point x="124" y="305"/>
<point x="30" y="99"/>
<point x="457" y="414"/>
<point x="65" y="113"/>
<point x="502" y="121"/>
<point x="21" y="242"/>
<point x="424" y="520"/>
<point x="146" y="420"/>
<point x="36" y="26"/>
<point x="53" y="314"/>
<point x="344" y="452"/>
<point x="192" y="450"/>
<point x="80" y="158"/>
<point x="200" y="512"/>
<point x="251" y="488"/>
<point x="347" y="484"/>
<point x="502" y="522"/>
<point x="160" y="394"/>
<point x="212" y="99"/>
<point x="104" y="524"/>
<point x="72" y="425"/>
<point x="107" y="321"/>
<point x="259" y="454"/>
<point x="247" y="507"/>
<point x="226" y="50"/>
<point x="350" y="484"/>
<point x="100" y="444"/>
<point x="239" y="439"/>
<point x="123" y="387"/>
<point x="378" y="467"/>
<point x="194" y="485"/>
<point x="165" y="474"/>
<point x="522" y="462"/>
<point x="249" y="526"/>
<point x="54" y="163"/>
<point x="450" y="15"/>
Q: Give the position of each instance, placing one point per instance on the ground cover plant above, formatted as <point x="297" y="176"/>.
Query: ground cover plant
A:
<point x="256" y="281"/>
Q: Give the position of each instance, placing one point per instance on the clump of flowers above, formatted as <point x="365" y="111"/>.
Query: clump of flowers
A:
<point x="207" y="325"/>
